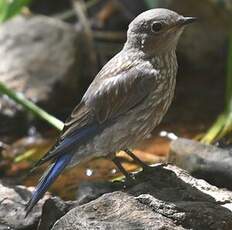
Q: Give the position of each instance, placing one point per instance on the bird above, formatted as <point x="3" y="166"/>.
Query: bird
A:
<point x="126" y="100"/>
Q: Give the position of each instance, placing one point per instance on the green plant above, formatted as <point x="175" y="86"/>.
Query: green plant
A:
<point x="10" y="8"/>
<point x="223" y="124"/>
<point x="31" y="107"/>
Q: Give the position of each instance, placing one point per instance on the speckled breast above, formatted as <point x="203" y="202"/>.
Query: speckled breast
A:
<point x="157" y="104"/>
<point x="163" y="94"/>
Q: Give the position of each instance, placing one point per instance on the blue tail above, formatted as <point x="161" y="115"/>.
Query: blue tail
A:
<point x="62" y="160"/>
<point x="47" y="179"/>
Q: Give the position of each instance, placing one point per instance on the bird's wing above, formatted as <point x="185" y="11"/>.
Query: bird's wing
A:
<point x="115" y="96"/>
<point x="107" y="98"/>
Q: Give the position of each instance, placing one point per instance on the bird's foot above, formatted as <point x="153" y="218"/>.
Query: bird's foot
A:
<point x="143" y="165"/>
<point x="129" y="180"/>
<point x="128" y="176"/>
<point x="161" y="165"/>
<point x="149" y="168"/>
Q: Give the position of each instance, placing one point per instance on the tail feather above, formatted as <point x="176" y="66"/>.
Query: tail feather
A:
<point x="47" y="179"/>
<point x="65" y="145"/>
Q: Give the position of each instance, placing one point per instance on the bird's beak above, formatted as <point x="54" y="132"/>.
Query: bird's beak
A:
<point x="187" y="20"/>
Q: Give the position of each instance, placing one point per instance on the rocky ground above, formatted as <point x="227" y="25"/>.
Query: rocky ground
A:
<point x="163" y="197"/>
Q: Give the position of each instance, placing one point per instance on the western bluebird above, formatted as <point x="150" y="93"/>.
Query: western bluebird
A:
<point x="125" y="102"/>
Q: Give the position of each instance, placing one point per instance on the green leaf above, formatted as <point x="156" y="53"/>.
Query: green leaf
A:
<point x="229" y="77"/>
<point x="31" y="107"/>
<point x="10" y="8"/>
<point x="223" y="125"/>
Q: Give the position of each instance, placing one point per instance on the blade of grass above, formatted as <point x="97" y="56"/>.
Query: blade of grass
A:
<point x="11" y="8"/>
<point x="223" y="124"/>
<point x="229" y="77"/>
<point x="227" y="128"/>
<point x="215" y="129"/>
<point x="30" y="106"/>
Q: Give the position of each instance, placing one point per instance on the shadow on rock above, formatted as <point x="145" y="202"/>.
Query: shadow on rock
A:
<point x="161" y="198"/>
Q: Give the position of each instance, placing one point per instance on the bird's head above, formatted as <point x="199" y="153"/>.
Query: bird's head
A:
<point x="156" y="30"/>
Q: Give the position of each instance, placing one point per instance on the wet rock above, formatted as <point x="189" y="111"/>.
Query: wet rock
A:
<point x="208" y="162"/>
<point x="162" y="198"/>
<point x="43" y="58"/>
<point x="12" y="205"/>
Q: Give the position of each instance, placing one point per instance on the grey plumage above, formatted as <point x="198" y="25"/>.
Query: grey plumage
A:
<point x="127" y="99"/>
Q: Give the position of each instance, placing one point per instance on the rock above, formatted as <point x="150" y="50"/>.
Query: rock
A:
<point x="45" y="59"/>
<point x="13" y="121"/>
<point x="162" y="198"/>
<point x="47" y="7"/>
<point x="203" y="161"/>
<point x="58" y="207"/>
<point x="89" y="191"/>
<point x="12" y="205"/>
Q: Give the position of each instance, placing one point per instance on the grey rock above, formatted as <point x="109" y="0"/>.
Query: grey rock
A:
<point x="203" y="161"/>
<point x="45" y="59"/>
<point x="12" y="205"/>
<point x="53" y="209"/>
<point x="89" y="191"/>
<point x="163" y="198"/>
<point x="13" y="121"/>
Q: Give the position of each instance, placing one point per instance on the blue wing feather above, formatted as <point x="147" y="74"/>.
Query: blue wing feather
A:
<point x="63" y="156"/>
<point x="75" y="138"/>
<point x="78" y="136"/>
<point x="48" y="178"/>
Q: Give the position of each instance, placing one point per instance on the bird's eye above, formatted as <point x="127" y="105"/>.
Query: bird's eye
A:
<point x="156" y="27"/>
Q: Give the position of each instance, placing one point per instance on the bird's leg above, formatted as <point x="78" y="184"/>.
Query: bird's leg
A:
<point x="137" y="160"/>
<point x="120" y="167"/>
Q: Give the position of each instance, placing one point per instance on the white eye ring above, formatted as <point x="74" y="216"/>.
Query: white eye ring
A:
<point x="156" y="27"/>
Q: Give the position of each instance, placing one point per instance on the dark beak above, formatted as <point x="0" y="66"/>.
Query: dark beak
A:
<point x="187" y="20"/>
